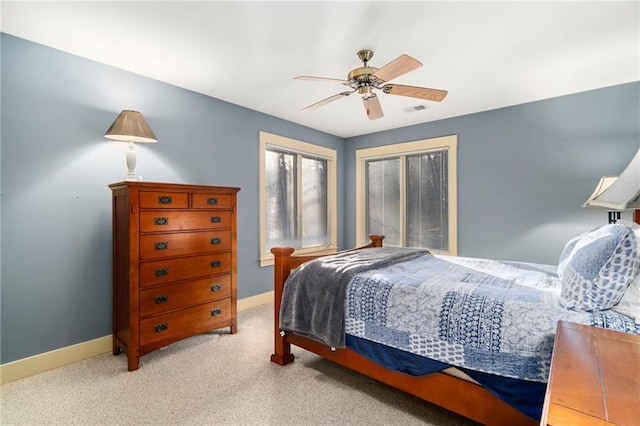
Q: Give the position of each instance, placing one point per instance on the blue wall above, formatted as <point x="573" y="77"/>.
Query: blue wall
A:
<point x="522" y="172"/>
<point x="56" y="165"/>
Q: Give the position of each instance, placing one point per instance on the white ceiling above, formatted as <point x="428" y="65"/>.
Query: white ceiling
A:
<point x="486" y="54"/>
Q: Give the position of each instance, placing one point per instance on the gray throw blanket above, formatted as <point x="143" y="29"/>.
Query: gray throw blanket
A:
<point x="314" y="294"/>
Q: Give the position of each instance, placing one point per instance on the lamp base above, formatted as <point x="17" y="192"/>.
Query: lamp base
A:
<point x="132" y="158"/>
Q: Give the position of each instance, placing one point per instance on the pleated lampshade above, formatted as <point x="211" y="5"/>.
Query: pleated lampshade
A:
<point x="604" y="183"/>
<point x="624" y="192"/>
<point x="130" y="126"/>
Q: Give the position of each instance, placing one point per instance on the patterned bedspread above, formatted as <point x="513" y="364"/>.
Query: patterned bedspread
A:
<point x="492" y="316"/>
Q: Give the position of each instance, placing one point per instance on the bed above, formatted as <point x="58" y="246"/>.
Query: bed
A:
<point x="473" y="336"/>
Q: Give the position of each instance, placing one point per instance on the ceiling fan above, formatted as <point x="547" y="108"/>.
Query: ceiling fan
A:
<point x="365" y="79"/>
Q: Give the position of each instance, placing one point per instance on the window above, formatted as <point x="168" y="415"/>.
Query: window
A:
<point x="297" y="196"/>
<point x="407" y="192"/>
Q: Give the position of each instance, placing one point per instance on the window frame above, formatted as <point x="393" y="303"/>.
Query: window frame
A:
<point x="267" y="140"/>
<point x="402" y="150"/>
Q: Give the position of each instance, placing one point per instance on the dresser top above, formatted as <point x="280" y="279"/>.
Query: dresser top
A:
<point x="162" y="186"/>
<point x="594" y="377"/>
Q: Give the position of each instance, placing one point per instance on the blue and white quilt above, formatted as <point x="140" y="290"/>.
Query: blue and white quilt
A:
<point x="491" y="316"/>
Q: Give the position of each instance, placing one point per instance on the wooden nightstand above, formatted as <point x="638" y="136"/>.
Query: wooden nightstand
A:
<point x="594" y="378"/>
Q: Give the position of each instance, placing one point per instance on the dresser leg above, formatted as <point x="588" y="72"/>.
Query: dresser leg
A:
<point x="133" y="363"/>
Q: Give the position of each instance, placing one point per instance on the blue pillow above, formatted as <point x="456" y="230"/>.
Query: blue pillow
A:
<point x="599" y="268"/>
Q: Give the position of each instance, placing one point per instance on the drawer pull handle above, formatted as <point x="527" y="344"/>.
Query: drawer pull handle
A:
<point x="162" y="272"/>
<point x="161" y="246"/>
<point x="216" y="287"/>
<point x="162" y="299"/>
<point x="216" y="264"/>
<point x="215" y="219"/>
<point x="215" y="241"/>
<point x="212" y="201"/>
<point x="165" y="199"/>
<point x="162" y="327"/>
<point x="215" y="312"/>
<point x="161" y="221"/>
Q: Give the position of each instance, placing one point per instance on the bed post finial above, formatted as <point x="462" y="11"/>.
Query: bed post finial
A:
<point x="376" y="240"/>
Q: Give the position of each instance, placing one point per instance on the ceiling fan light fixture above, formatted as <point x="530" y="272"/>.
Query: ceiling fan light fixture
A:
<point x="365" y="91"/>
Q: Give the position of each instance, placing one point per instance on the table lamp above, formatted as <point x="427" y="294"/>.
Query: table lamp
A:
<point x="130" y="126"/>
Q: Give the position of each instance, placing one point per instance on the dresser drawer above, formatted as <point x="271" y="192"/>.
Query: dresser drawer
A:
<point x="211" y="201"/>
<point x="164" y="200"/>
<point x="156" y="300"/>
<point x="168" y="270"/>
<point x="157" y="246"/>
<point x="160" y="221"/>
<point x="186" y="322"/>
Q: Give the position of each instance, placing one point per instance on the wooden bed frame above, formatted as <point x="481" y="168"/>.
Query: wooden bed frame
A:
<point x="452" y="393"/>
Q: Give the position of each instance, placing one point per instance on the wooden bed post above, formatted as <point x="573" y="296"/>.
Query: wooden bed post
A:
<point x="282" y="349"/>
<point x="376" y="240"/>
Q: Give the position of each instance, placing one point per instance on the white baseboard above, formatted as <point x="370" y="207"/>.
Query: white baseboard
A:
<point x="40" y="363"/>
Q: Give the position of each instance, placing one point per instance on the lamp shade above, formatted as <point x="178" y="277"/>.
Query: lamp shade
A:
<point x="604" y="183"/>
<point x="130" y="126"/>
<point x="624" y="193"/>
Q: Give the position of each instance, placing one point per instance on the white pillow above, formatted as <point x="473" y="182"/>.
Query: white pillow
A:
<point x="629" y="305"/>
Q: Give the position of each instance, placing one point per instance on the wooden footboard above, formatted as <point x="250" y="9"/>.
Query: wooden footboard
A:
<point x="458" y="395"/>
<point x="284" y="262"/>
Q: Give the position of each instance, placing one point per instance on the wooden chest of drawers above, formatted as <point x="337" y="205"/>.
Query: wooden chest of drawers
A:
<point x="174" y="264"/>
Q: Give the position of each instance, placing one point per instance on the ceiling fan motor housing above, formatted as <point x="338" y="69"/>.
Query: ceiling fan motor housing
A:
<point x="363" y="79"/>
<point x="362" y="73"/>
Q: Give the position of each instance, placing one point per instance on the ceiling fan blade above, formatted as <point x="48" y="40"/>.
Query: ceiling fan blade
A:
<point x="399" y="66"/>
<point x="321" y="79"/>
<point x="435" y="95"/>
<point x="326" y="101"/>
<point x="373" y="108"/>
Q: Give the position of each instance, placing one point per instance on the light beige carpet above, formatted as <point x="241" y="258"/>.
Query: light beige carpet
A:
<point x="213" y="379"/>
